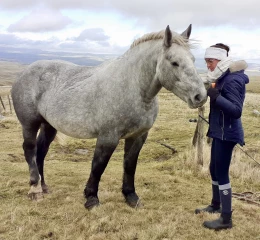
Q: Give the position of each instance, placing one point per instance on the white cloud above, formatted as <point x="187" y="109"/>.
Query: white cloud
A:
<point x="41" y="20"/>
<point x="93" y="34"/>
<point x="60" y="23"/>
<point x="179" y="13"/>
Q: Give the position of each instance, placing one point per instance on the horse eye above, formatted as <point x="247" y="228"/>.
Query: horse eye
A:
<point x="175" y="64"/>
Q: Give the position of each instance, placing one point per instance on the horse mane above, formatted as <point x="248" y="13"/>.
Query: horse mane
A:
<point x="177" y="38"/>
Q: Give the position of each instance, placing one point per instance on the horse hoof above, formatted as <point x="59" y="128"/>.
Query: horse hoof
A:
<point x="35" y="192"/>
<point x="91" y="203"/>
<point x="45" y="188"/>
<point x="35" y="196"/>
<point x="133" y="200"/>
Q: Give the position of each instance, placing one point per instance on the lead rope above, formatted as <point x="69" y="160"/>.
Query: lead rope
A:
<point x="236" y="144"/>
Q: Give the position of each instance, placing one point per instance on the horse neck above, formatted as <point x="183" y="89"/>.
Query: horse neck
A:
<point x="145" y="58"/>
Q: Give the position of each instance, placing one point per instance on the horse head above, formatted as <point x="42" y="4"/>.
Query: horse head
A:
<point x="176" y="70"/>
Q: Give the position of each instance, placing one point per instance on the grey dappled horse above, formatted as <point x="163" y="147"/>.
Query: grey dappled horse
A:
<point x="113" y="101"/>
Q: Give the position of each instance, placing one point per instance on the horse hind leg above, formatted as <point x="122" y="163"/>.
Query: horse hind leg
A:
<point x="44" y="139"/>
<point x="30" y="148"/>
<point x="133" y="147"/>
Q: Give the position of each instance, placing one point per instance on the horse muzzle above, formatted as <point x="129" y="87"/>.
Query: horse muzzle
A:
<point x="197" y="100"/>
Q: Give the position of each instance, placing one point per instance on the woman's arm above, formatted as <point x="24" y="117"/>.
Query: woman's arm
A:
<point x="234" y="92"/>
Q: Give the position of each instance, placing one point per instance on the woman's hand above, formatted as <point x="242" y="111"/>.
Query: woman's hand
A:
<point x="213" y="93"/>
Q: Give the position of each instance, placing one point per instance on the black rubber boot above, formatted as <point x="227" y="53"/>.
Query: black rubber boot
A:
<point x="214" y="207"/>
<point x="223" y="222"/>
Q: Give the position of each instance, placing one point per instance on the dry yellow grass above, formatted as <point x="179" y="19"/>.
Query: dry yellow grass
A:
<point x="170" y="186"/>
<point x="5" y="90"/>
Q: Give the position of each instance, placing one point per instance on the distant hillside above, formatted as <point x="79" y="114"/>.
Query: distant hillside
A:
<point x="9" y="72"/>
<point x="25" y="56"/>
<point x="12" y="62"/>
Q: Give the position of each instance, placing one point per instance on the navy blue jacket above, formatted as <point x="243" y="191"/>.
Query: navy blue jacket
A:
<point x="225" y="113"/>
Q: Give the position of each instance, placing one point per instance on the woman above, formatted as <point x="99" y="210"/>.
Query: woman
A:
<point x="225" y="127"/>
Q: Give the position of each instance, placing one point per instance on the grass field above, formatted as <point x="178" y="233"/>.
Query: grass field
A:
<point x="170" y="185"/>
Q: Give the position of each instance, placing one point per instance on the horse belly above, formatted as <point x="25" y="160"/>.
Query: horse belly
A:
<point x="74" y="127"/>
<point x="143" y="125"/>
<point x="88" y="119"/>
<point x="86" y="127"/>
<point x="71" y="122"/>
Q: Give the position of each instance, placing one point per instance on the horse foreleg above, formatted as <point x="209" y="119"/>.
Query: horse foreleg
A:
<point x="133" y="147"/>
<point x="105" y="147"/>
<point x="36" y="191"/>
<point x="30" y="148"/>
<point x="46" y="136"/>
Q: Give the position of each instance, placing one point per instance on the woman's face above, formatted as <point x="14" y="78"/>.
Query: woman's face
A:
<point x="211" y="63"/>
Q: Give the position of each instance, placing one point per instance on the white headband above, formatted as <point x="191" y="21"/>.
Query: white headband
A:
<point x="216" y="53"/>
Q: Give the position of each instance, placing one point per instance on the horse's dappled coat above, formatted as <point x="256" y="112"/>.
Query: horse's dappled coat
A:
<point x="115" y="100"/>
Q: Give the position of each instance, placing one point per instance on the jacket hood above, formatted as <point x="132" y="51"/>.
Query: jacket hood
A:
<point x="239" y="67"/>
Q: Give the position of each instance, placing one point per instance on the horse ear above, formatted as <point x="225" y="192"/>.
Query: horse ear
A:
<point x="187" y="32"/>
<point x="168" y="37"/>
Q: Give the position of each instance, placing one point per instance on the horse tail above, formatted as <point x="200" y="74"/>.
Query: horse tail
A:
<point x="61" y="139"/>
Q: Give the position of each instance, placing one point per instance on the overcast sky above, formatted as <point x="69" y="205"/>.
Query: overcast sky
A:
<point x="110" y="26"/>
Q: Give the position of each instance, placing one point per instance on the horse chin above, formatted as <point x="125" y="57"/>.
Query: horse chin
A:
<point x="194" y="106"/>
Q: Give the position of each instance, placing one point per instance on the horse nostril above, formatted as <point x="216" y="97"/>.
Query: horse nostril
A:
<point x="197" y="98"/>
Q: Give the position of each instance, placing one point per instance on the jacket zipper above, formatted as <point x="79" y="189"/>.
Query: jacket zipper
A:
<point x="222" y="128"/>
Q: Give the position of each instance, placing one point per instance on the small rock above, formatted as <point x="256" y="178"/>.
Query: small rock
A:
<point x="256" y="112"/>
<point x="81" y="151"/>
<point x="193" y="120"/>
